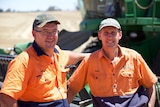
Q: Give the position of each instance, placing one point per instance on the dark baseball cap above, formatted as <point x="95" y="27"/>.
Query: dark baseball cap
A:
<point x="43" y="19"/>
<point x="109" y="22"/>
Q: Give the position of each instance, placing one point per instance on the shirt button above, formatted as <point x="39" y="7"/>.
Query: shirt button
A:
<point x="115" y="86"/>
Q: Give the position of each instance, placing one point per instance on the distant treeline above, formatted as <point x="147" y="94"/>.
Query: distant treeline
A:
<point x="51" y="8"/>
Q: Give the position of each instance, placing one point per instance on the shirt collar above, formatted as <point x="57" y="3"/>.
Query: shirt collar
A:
<point x="39" y="51"/>
<point x="101" y="53"/>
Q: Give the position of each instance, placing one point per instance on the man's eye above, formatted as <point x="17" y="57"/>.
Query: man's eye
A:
<point x="113" y="33"/>
<point x="105" y="33"/>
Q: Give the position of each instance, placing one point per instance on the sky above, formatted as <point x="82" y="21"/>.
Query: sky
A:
<point x="33" y="5"/>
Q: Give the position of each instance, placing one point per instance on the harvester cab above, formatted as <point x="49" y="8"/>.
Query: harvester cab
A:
<point x="140" y="22"/>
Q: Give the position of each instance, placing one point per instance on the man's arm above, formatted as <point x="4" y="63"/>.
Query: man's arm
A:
<point x="7" y="101"/>
<point x="75" y="57"/>
<point x="152" y="96"/>
<point x="70" y="95"/>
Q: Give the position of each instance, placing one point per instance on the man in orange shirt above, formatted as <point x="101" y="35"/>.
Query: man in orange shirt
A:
<point x="37" y="76"/>
<point x="116" y="75"/>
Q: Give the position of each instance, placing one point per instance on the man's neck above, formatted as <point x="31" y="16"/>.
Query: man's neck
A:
<point x="111" y="53"/>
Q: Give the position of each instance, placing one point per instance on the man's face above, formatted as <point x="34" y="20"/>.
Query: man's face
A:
<point x="47" y="36"/>
<point x="110" y="36"/>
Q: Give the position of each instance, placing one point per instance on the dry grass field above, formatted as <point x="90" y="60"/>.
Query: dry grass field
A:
<point x="17" y="27"/>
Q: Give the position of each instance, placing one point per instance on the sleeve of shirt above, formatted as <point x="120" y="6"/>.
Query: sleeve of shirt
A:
<point x="63" y="55"/>
<point x="148" y="77"/>
<point x="14" y="83"/>
<point x="79" y="78"/>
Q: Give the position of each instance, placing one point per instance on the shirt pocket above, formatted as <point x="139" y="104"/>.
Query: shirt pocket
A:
<point x="127" y="74"/>
<point x="127" y="78"/>
<point x="98" y="81"/>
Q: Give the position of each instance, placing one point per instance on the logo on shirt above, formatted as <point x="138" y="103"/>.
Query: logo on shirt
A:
<point x="128" y="67"/>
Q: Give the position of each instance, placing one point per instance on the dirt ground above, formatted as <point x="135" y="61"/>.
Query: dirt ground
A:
<point x="17" y="27"/>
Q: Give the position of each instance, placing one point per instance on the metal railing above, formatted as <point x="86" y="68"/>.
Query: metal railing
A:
<point x="4" y="61"/>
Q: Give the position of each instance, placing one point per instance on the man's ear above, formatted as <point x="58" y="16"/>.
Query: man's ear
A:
<point x="120" y="35"/>
<point x="33" y="33"/>
<point x="99" y="35"/>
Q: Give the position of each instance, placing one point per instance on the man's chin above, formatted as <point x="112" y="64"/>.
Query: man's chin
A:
<point x="50" y="46"/>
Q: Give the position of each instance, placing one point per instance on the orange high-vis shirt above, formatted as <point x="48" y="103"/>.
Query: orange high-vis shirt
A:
<point x="36" y="78"/>
<point x="106" y="79"/>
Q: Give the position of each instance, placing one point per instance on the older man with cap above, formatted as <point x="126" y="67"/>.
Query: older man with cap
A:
<point x="116" y="75"/>
<point x="37" y="76"/>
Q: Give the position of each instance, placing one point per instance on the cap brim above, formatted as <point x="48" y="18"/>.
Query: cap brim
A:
<point x="111" y="25"/>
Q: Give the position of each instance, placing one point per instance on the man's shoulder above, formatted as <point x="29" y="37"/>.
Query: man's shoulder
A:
<point x="25" y="55"/>
<point x="94" y="55"/>
<point x="130" y="52"/>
